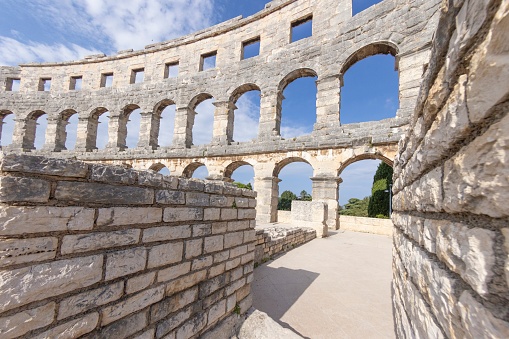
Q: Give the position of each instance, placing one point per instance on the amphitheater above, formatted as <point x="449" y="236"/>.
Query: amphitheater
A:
<point x="95" y="243"/>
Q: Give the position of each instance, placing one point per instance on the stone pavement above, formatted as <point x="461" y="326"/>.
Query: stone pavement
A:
<point x="335" y="287"/>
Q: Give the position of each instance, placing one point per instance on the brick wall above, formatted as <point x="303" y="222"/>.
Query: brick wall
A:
<point x="451" y="241"/>
<point x="109" y="252"/>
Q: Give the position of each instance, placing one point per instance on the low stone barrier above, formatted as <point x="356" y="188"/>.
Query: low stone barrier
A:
<point x="366" y="225"/>
<point x="109" y="252"/>
<point x="274" y="240"/>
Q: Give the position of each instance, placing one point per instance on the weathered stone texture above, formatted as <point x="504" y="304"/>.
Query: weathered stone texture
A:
<point x="26" y="321"/>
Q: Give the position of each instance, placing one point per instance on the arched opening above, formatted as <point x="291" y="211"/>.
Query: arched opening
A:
<point x="295" y="184"/>
<point x="370" y="84"/>
<point x="160" y="168"/>
<point x="247" y="112"/>
<point x="361" y="5"/>
<point x="242" y="174"/>
<point x="36" y="125"/>
<point x="97" y="134"/>
<point x="70" y="119"/>
<point x="6" y="127"/>
<point x="131" y="119"/>
<point x="165" y="112"/>
<point x="203" y="120"/>
<point x="297" y="103"/>
<point x="196" y="170"/>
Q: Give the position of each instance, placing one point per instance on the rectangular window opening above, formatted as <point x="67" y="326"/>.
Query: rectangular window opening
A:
<point x="137" y="75"/>
<point x="106" y="79"/>
<point x="251" y="48"/>
<point x="75" y="83"/>
<point x="208" y="61"/>
<point x="301" y="29"/>
<point x="13" y="84"/>
<point x="171" y="70"/>
<point x="44" y="84"/>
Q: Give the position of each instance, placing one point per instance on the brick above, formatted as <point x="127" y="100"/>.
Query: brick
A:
<point x="173" y="214"/>
<point x="103" y="193"/>
<point x="13" y="189"/>
<point x="237" y="251"/>
<point x="20" y="323"/>
<point x="193" y="248"/>
<point x="72" y="329"/>
<point x="43" y="165"/>
<point x="197" y="199"/>
<point x="121" y="263"/>
<point x="123" y="328"/>
<point x="191" y="185"/>
<point x="20" y="220"/>
<point x="101" y="240"/>
<point x="238" y="225"/>
<point x="173" y="272"/>
<point x="202" y="230"/>
<point x="216" y="270"/>
<point x="169" y="305"/>
<point x="139" y="283"/>
<point x="152" y="179"/>
<point x="185" y="282"/>
<point x="216" y="312"/>
<point x="228" y="213"/>
<point x="113" y="174"/>
<point x="165" y="254"/>
<point x="246" y="214"/>
<point x="167" y="197"/>
<point x="202" y="262"/>
<point x="38" y="282"/>
<point x="219" y="201"/>
<point x="85" y="301"/>
<point x="233" y="239"/>
<point x="165" y="233"/>
<point x="191" y="327"/>
<point x="219" y="227"/>
<point x="213" y="244"/>
<point x="119" y="216"/>
<point x="211" y="214"/>
<point x="169" y="324"/>
<point x="241" y="202"/>
<point x="20" y="251"/>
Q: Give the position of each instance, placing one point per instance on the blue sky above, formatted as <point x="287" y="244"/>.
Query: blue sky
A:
<point x="48" y="30"/>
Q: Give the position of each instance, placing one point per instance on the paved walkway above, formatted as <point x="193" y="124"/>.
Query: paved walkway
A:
<point x="335" y="287"/>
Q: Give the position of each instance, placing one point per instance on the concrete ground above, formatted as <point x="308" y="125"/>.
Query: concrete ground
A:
<point x="335" y="287"/>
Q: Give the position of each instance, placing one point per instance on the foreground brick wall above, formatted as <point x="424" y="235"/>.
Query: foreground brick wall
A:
<point x="108" y="252"/>
<point x="451" y="241"/>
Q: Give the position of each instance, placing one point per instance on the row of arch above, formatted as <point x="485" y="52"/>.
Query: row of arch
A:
<point x="152" y="131"/>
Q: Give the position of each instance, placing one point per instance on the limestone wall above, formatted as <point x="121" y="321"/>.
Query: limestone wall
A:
<point x="451" y="240"/>
<point x="109" y="252"/>
<point x="366" y="225"/>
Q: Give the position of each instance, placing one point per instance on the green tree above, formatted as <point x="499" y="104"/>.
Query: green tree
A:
<point x="241" y="185"/>
<point x="285" y="201"/>
<point x="379" y="201"/>
<point x="355" y="207"/>
<point x="305" y="196"/>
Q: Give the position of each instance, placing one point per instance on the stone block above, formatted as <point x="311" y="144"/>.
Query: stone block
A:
<point x="123" y="328"/>
<point x="165" y="233"/>
<point x="242" y="202"/>
<point x="202" y="230"/>
<point x="202" y="262"/>
<point x="25" y="321"/>
<point x="28" y="219"/>
<point x="231" y="264"/>
<point x="14" y="189"/>
<point x="313" y="213"/>
<point x="228" y="213"/>
<point x="191" y="185"/>
<point x="169" y="305"/>
<point x="39" y="282"/>
<point x="113" y="174"/>
<point x="170" y="197"/>
<point x="150" y="334"/>
<point x="505" y="232"/>
<point x="169" y="324"/>
<point x="211" y="214"/>
<point x="213" y="244"/>
<point x="139" y="283"/>
<point x="43" y="165"/>
<point x="193" y="248"/>
<point x="103" y="193"/>
<point x="246" y="213"/>
<point x="148" y="178"/>
<point x="192" y="326"/>
<point x="216" y="312"/>
<point x="219" y="227"/>
<point x="82" y="302"/>
<point x="219" y="201"/>
<point x="233" y="239"/>
<point x="72" y="329"/>
<point x="20" y="251"/>
<point x="121" y="263"/>
<point x="185" y="282"/>
<point x="131" y="305"/>
<point x="235" y="252"/>
<point x="119" y="216"/>
<point x="216" y="270"/>
<point x="197" y="199"/>
<point x="238" y="225"/>
<point x="215" y="188"/>
<point x="165" y="254"/>
<point x="174" y="214"/>
<point x="173" y="272"/>
<point x="101" y="240"/>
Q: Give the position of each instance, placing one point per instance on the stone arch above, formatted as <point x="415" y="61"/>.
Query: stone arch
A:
<point x="61" y="128"/>
<point x="198" y="99"/>
<point x="379" y="47"/>
<point x="228" y="171"/>
<point x="30" y="128"/>
<point x="191" y="118"/>
<point x="155" y="129"/>
<point x="156" y="167"/>
<point x="189" y="169"/>
<point x="280" y="165"/>
<point x="365" y="156"/>
<point x="92" y="127"/>
<point x="289" y="78"/>
<point x="123" y="120"/>
<point x="4" y="114"/>
<point x="232" y="107"/>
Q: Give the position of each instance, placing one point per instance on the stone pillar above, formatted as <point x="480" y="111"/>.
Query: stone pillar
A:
<point x="267" y="199"/>
<point x="183" y="133"/>
<point x="54" y="140"/>
<point x="223" y="122"/>
<point x="117" y="132"/>
<point x="327" y="102"/>
<point x="270" y="114"/>
<point x="19" y="136"/>
<point x="86" y="135"/>
<point x="326" y="189"/>
<point x="149" y="130"/>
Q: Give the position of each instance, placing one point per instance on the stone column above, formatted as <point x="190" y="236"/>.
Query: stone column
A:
<point x="270" y="114"/>
<point x="19" y="136"/>
<point x="268" y="192"/>
<point x="327" y="102"/>
<point x="223" y="122"/>
<point x="149" y="130"/>
<point x="54" y="140"/>
<point x="117" y="132"/>
<point x="326" y="189"/>
<point x="183" y="133"/>
<point x="86" y="134"/>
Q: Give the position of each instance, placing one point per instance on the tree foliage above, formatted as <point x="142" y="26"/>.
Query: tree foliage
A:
<point x="241" y="185"/>
<point x="356" y="207"/>
<point x="379" y="200"/>
<point x="286" y="198"/>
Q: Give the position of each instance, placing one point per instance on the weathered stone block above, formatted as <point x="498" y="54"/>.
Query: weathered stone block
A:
<point x="228" y="213"/>
<point x="118" y="216"/>
<point x="246" y="213"/>
<point x="139" y="283"/>
<point x="173" y="272"/>
<point x="103" y="193"/>
<point x="72" y="329"/>
<point x="20" y="251"/>
<point x="172" y="214"/>
<point x="191" y="327"/>
<point x="165" y="254"/>
<point x="169" y="305"/>
<point x="191" y="185"/>
<point x="166" y="233"/>
<point x="19" y="220"/>
<point x="202" y="262"/>
<point x="123" y="328"/>
<point x="216" y="312"/>
<point x="185" y="282"/>
<point x="202" y="230"/>
<point x="26" y="321"/>
<point x="233" y="239"/>
<point x="38" y="282"/>
<point x="125" y="262"/>
<point x="238" y="225"/>
<point x="43" y="165"/>
<point x="213" y="244"/>
<point x="505" y="232"/>
<point x="193" y="248"/>
<point x="211" y="214"/>
<point x="24" y="189"/>
<point x="147" y="178"/>
<point x="197" y="199"/>
<point x="170" y="197"/>
<point x="96" y="241"/>
<point x="113" y="174"/>
<point x="172" y="322"/>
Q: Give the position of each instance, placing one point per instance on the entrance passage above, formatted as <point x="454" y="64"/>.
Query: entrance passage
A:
<point x="335" y="287"/>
